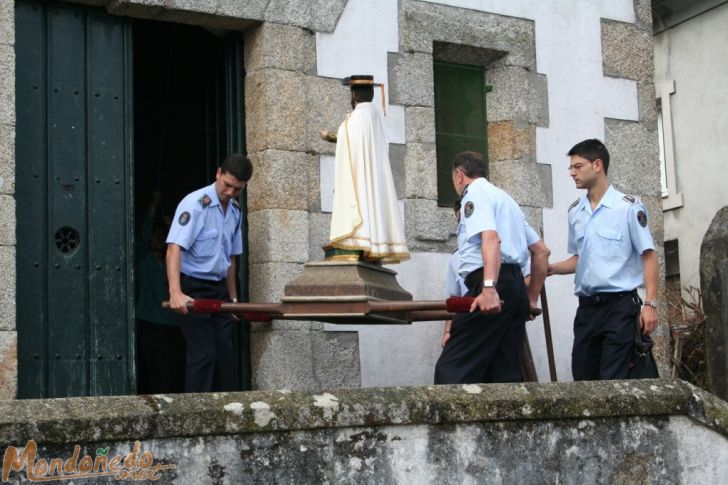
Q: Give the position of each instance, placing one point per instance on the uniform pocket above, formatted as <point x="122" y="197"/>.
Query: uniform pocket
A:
<point x="206" y="243"/>
<point x="609" y="241"/>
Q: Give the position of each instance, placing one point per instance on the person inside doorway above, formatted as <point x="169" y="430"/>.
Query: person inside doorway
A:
<point x="161" y="346"/>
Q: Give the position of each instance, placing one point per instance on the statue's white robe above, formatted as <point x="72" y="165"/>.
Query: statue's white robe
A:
<point x="366" y="213"/>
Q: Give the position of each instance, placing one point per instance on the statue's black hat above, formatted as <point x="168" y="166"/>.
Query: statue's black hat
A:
<point x="359" y="80"/>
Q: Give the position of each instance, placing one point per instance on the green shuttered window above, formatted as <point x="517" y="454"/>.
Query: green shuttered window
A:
<point x="460" y="120"/>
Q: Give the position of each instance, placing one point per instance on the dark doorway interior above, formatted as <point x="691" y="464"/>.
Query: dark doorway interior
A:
<point x="178" y="113"/>
<point x="181" y="132"/>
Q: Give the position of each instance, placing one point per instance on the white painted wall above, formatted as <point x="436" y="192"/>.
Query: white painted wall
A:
<point x="693" y="55"/>
<point x="568" y="52"/>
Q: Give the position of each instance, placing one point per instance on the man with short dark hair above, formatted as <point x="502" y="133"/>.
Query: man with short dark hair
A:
<point x="612" y="255"/>
<point x="201" y="246"/>
<point x="494" y="240"/>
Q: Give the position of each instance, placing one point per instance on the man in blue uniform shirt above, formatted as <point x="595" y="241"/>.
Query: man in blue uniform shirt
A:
<point x="612" y="255"/>
<point x="486" y="345"/>
<point x="201" y="245"/>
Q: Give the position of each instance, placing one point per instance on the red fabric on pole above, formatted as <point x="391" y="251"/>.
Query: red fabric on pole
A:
<point x="459" y="304"/>
<point x="206" y="306"/>
<point x="257" y="317"/>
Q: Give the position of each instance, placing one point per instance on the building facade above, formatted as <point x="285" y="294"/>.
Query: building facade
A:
<point x="689" y="69"/>
<point x="545" y="76"/>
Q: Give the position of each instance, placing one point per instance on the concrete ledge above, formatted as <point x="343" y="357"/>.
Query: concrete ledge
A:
<point x="590" y="432"/>
<point x="74" y="420"/>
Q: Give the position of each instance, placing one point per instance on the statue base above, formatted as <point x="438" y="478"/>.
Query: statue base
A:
<point x="325" y="287"/>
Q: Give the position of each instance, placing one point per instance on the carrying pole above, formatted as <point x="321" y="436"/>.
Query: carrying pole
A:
<point x="547" y="334"/>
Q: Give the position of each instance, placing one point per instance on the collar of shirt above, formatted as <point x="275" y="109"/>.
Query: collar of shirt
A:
<point x="610" y="197"/>
<point x="212" y="194"/>
<point x="475" y="183"/>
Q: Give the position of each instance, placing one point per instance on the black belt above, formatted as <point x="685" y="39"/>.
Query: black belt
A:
<point x="202" y="280"/>
<point x="476" y="277"/>
<point x="600" y="298"/>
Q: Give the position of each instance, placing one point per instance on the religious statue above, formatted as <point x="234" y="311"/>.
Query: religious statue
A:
<point x="366" y="216"/>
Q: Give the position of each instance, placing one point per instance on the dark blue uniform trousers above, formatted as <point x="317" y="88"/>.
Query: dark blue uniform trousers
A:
<point x="209" y="339"/>
<point x="604" y="329"/>
<point x="487" y="347"/>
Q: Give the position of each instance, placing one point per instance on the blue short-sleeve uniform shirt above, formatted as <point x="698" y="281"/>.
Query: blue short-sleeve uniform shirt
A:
<point x="208" y="236"/>
<point x="486" y="207"/>
<point x="455" y="283"/>
<point x="609" y="241"/>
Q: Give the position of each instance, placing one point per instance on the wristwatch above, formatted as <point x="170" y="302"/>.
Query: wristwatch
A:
<point x="488" y="283"/>
<point x="652" y="303"/>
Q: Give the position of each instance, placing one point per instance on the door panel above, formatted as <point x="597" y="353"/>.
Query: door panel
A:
<point x="73" y="151"/>
<point x="234" y="110"/>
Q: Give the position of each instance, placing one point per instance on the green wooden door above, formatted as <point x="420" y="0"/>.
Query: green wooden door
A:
<point x="234" y="110"/>
<point x="73" y="189"/>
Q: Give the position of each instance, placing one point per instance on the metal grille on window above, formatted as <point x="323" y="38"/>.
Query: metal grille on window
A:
<point x="67" y="239"/>
<point x="460" y="119"/>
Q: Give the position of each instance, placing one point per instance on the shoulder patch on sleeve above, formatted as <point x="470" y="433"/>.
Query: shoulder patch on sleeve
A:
<point x="184" y="218"/>
<point x="630" y="198"/>
<point x="576" y="202"/>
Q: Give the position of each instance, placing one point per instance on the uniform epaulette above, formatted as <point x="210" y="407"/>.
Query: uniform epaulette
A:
<point x="236" y="203"/>
<point x="631" y="199"/>
<point x="576" y="202"/>
<point x="205" y="200"/>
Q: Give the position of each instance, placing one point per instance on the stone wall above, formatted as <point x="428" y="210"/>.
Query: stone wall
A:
<point x="287" y="101"/>
<point x="652" y="431"/>
<point x="695" y="127"/>
<point x="635" y="168"/>
<point x="286" y="105"/>
<point x="714" y="282"/>
<point x="506" y="48"/>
